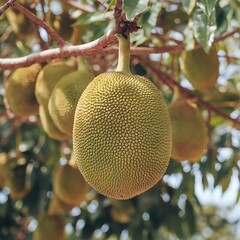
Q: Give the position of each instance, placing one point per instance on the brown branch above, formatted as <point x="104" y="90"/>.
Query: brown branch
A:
<point x="160" y="76"/>
<point x="6" y="6"/>
<point x="91" y="48"/>
<point x="53" y="34"/>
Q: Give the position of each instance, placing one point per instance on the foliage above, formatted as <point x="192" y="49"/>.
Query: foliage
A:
<point x="174" y="208"/>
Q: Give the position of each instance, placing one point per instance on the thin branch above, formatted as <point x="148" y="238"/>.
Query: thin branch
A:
<point x="79" y="6"/>
<point x="103" y="3"/>
<point x="6" y="6"/>
<point x="169" y="81"/>
<point x="53" y="34"/>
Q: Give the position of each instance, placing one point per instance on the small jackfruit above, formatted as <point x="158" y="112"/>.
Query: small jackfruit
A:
<point x="57" y="206"/>
<point x="50" y="227"/>
<point x="48" y="78"/>
<point x="64" y="98"/>
<point x="15" y="177"/>
<point x="69" y="185"/>
<point x="200" y="68"/>
<point x="48" y="125"/>
<point x="3" y="161"/>
<point x="122" y="131"/>
<point x="122" y="212"/>
<point x="189" y="132"/>
<point x="20" y="90"/>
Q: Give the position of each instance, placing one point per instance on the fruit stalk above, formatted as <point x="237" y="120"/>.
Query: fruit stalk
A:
<point x="123" y="53"/>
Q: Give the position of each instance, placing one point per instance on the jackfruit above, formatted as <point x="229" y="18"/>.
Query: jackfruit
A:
<point x="20" y="90"/>
<point x="122" y="212"/>
<point x="15" y="177"/>
<point x="122" y="131"/>
<point x="48" y="78"/>
<point x="50" y="227"/>
<point x="57" y="206"/>
<point x="189" y="132"/>
<point x="64" y="98"/>
<point x="3" y="161"/>
<point x="200" y="68"/>
<point x="69" y="185"/>
<point x="48" y="125"/>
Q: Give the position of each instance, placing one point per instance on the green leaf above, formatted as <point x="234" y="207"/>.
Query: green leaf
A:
<point x="190" y="217"/>
<point x="88" y="18"/>
<point x="134" y="7"/>
<point x="207" y="6"/>
<point x="188" y="5"/>
<point x="204" y="28"/>
<point x="147" y="21"/>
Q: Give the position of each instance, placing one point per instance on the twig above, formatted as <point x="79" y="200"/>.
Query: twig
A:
<point x="103" y="3"/>
<point x="79" y="6"/>
<point x="53" y="34"/>
<point x="169" y="81"/>
<point x="6" y="6"/>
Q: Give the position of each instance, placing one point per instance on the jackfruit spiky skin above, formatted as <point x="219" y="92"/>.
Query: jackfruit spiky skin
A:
<point x="48" y="125"/>
<point x="69" y="184"/>
<point x="48" y="78"/>
<point x="64" y="98"/>
<point x="20" y="90"/>
<point x="200" y="68"/>
<point x="121" y="135"/>
<point x="50" y="227"/>
<point x="189" y="132"/>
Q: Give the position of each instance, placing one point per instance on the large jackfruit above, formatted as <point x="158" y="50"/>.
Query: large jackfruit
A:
<point x="122" y="133"/>
<point x="20" y="90"/>
<point x="200" y="69"/>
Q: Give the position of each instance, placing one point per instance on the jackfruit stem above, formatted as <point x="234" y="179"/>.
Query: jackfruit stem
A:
<point x="123" y="53"/>
<point x="176" y="94"/>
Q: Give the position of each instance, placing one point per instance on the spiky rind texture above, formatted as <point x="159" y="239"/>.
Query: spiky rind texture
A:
<point x="48" y="78"/>
<point x="121" y="135"/>
<point x="64" y="98"/>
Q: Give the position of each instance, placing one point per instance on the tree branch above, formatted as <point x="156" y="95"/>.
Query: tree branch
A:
<point x="160" y="76"/>
<point x="91" y="48"/>
<point x="6" y="6"/>
<point x="53" y="34"/>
